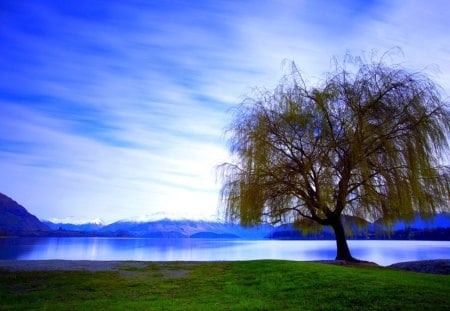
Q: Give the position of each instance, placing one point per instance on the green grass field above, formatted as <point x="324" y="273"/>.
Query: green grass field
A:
<point x="249" y="285"/>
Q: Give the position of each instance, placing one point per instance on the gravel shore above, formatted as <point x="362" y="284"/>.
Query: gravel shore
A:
<point x="439" y="266"/>
<point x="68" y="265"/>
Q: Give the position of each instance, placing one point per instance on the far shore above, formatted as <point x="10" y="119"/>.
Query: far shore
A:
<point x="436" y="266"/>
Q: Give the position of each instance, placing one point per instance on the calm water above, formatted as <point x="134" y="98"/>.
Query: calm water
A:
<point x="381" y="252"/>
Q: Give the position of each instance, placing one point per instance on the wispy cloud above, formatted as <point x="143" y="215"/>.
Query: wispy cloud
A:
<point x="115" y="109"/>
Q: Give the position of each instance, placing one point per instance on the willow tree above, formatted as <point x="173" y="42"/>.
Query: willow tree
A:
<point x="366" y="142"/>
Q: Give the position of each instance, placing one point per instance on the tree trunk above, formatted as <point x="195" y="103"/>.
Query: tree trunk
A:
<point x="343" y="252"/>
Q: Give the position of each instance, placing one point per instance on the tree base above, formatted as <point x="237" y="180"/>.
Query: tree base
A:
<point x="349" y="259"/>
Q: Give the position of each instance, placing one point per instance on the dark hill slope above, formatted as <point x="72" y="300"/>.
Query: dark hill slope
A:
<point x="15" y="219"/>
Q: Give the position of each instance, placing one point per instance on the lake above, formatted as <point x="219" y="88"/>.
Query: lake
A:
<point x="149" y="249"/>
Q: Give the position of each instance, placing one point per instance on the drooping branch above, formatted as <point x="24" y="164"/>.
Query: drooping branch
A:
<point x="365" y="143"/>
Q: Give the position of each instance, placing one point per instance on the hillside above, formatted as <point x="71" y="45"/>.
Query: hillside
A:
<point x="16" y="220"/>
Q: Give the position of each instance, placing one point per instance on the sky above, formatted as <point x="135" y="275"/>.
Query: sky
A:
<point x="117" y="109"/>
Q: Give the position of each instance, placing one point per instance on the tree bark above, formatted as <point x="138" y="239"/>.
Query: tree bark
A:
<point x="343" y="252"/>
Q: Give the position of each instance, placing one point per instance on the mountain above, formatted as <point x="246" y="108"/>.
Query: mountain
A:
<point x="83" y="227"/>
<point x="441" y="220"/>
<point x="16" y="220"/>
<point x="354" y="225"/>
<point x="435" y="228"/>
<point x="185" y="228"/>
<point x="213" y="235"/>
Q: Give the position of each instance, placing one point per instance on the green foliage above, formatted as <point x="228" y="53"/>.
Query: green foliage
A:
<point x="253" y="285"/>
<point x="368" y="142"/>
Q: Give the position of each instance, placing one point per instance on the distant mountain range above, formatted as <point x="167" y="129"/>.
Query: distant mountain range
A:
<point x="436" y="228"/>
<point x="167" y="228"/>
<point x="88" y="226"/>
<point x="15" y="220"/>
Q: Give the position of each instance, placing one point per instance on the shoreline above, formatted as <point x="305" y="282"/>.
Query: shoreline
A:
<point x="436" y="266"/>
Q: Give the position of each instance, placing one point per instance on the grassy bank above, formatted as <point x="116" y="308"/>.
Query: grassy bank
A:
<point x="251" y="285"/>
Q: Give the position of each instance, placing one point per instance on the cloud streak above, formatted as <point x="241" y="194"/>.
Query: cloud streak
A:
<point x="117" y="109"/>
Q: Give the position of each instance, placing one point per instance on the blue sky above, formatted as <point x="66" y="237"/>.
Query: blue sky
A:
<point x="116" y="109"/>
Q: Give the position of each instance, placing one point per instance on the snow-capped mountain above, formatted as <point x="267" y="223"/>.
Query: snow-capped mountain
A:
<point x="184" y="228"/>
<point x="74" y="225"/>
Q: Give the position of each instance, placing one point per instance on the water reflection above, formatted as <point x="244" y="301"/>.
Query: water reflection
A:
<point x="381" y="252"/>
<point x="388" y="252"/>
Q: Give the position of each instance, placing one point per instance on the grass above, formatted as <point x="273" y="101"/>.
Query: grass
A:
<point x="249" y="285"/>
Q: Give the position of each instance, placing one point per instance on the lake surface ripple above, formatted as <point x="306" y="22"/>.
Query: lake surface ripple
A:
<point x="149" y="249"/>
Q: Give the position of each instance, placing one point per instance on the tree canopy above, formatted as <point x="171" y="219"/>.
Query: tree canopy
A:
<point x="369" y="141"/>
